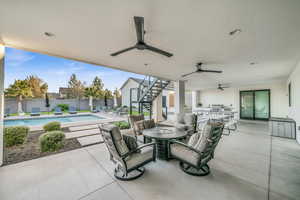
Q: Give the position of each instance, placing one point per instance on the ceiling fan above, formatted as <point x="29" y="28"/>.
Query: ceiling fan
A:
<point x="200" y="70"/>
<point x="220" y="87"/>
<point x="141" y="45"/>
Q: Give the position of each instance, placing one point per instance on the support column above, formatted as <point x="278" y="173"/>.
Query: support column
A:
<point x="2" y="52"/>
<point x="157" y="109"/>
<point x="179" y="96"/>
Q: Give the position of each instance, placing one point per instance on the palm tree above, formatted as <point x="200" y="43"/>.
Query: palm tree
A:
<point x="90" y="92"/>
<point x="19" y="89"/>
<point x="38" y="86"/>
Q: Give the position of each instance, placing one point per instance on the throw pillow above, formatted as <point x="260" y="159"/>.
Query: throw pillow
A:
<point x="130" y="141"/>
<point x="149" y="123"/>
<point x="139" y="126"/>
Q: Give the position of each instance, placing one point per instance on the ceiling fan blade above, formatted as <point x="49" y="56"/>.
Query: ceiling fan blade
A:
<point x="139" y="27"/>
<point x="156" y="50"/>
<point x="213" y="71"/>
<point x="122" y="51"/>
<point x="189" y="74"/>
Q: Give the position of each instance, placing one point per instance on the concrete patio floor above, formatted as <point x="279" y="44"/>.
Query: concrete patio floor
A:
<point x="241" y="170"/>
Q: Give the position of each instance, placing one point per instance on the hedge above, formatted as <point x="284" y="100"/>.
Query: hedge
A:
<point x="52" y="126"/>
<point x="15" y="135"/>
<point x="122" y="125"/>
<point x="51" y="141"/>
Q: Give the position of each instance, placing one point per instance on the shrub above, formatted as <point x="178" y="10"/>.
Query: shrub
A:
<point x="64" y="107"/>
<point x="51" y="141"/>
<point x="52" y="126"/>
<point x="122" y="125"/>
<point x="15" y="135"/>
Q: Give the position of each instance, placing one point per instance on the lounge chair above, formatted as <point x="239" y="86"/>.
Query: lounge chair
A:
<point x="35" y="111"/>
<point x="129" y="161"/>
<point x="194" y="155"/>
<point x="6" y="112"/>
<point x="57" y="111"/>
<point x="187" y="122"/>
<point x="96" y="109"/>
<point x="72" y="110"/>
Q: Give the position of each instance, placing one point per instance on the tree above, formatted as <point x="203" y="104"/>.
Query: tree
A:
<point x="19" y="89"/>
<point x="77" y="88"/>
<point x="90" y="92"/>
<point x="38" y="86"/>
<point x="107" y="95"/>
<point x="117" y="93"/>
<point x="47" y="102"/>
<point x="98" y="86"/>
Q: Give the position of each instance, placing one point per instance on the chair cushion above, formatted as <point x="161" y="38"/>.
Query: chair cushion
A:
<point x="180" y="118"/>
<point x="149" y="124"/>
<point x="181" y="127"/>
<point x="139" y="126"/>
<point x="118" y="140"/>
<point x="189" y="119"/>
<point x="194" y="139"/>
<point x="138" y="158"/>
<point x="184" y="153"/>
<point x="130" y="142"/>
<point x="201" y="144"/>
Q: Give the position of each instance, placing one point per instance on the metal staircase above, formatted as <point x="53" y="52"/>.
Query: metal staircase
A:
<point x="149" y="89"/>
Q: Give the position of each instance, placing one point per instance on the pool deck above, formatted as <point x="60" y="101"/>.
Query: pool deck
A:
<point x="108" y="118"/>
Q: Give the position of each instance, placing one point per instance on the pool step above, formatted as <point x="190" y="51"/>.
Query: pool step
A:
<point x="82" y="133"/>
<point x="90" y="140"/>
<point x="84" y="127"/>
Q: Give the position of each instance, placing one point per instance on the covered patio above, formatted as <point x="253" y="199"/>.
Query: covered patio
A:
<point x="248" y="165"/>
<point x="256" y="46"/>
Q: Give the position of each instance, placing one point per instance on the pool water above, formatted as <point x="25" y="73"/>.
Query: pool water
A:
<point x="45" y="120"/>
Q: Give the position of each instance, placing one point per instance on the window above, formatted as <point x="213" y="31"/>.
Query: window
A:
<point x="164" y="101"/>
<point x="290" y="93"/>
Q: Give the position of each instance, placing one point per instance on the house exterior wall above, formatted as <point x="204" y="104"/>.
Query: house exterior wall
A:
<point x="294" y="110"/>
<point x="231" y="96"/>
<point x="125" y="91"/>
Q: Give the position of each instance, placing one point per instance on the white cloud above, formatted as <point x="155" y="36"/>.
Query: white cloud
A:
<point x="18" y="57"/>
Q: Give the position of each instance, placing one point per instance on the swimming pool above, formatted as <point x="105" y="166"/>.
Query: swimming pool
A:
<point x="44" y="120"/>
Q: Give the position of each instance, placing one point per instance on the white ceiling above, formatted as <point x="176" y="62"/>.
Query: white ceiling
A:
<point x="193" y="30"/>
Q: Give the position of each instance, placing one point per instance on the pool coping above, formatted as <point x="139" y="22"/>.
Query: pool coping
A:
<point x="107" y="119"/>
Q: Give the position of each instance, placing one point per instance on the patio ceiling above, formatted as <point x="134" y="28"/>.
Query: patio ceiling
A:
<point x="193" y="30"/>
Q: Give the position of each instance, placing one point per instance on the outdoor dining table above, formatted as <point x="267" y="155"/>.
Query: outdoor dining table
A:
<point x="162" y="136"/>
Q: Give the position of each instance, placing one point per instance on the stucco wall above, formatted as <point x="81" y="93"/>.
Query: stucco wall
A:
<point x="294" y="110"/>
<point x="230" y="96"/>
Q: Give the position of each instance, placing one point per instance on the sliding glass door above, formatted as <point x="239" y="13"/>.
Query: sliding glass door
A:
<point x="255" y="104"/>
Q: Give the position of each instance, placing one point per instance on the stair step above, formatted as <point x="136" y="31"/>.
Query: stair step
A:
<point x="82" y="133"/>
<point x="85" y="127"/>
<point x="89" y="140"/>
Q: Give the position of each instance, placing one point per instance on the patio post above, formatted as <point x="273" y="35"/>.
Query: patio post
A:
<point x="179" y="96"/>
<point x="2" y="52"/>
<point x="157" y="109"/>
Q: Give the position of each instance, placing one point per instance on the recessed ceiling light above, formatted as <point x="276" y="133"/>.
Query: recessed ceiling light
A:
<point x="235" y="31"/>
<point x="49" y="34"/>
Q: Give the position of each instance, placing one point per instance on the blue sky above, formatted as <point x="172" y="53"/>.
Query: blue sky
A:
<point x="56" y="71"/>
